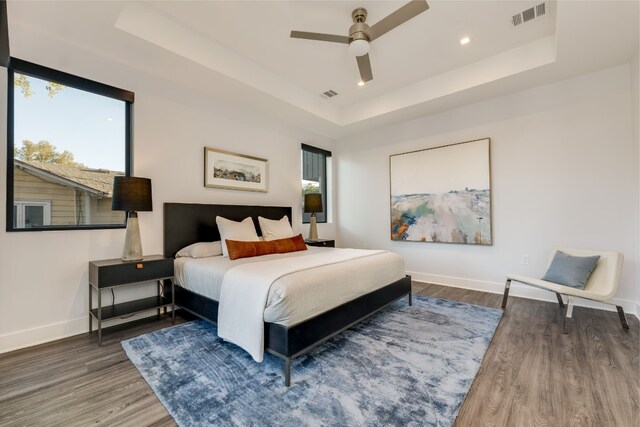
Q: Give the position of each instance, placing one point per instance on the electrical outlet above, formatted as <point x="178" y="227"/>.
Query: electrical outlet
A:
<point x="525" y="259"/>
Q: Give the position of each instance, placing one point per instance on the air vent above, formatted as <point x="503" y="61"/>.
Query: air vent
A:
<point x="330" y="93"/>
<point x="516" y="20"/>
<point x="529" y="14"/>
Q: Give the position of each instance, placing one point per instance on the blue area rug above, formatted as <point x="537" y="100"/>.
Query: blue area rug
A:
<point x="402" y="366"/>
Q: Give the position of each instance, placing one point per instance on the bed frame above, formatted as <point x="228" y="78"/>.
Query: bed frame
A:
<point x="185" y="224"/>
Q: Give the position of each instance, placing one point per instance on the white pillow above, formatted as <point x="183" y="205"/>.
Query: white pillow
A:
<point x="201" y="250"/>
<point x="275" y="229"/>
<point x="232" y="230"/>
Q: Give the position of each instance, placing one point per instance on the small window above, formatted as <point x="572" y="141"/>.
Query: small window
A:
<point x="28" y="214"/>
<point x="314" y="178"/>
<point x="67" y="137"/>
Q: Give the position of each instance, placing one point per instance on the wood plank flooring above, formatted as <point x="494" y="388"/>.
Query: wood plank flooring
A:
<point x="532" y="374"/>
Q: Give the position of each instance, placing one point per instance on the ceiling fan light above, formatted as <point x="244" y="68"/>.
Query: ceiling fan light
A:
<point x="359" y="47"/>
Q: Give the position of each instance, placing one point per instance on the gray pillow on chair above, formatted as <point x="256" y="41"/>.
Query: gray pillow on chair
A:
<point x="573" y="271"/>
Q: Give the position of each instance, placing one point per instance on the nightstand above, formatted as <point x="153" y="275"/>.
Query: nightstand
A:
<point x="321" y="242"/>
<point x="112" y="273"/>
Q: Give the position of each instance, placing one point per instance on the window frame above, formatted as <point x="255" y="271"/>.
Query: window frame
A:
<point x="41" y="72"/>
<point x="323" y="183"/>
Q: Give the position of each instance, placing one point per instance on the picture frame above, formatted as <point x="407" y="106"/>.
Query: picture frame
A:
<point x="442" y="194"/>
<point x="234" y="171"/>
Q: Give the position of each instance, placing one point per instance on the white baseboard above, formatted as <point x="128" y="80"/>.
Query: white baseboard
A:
<point x="519" y="290"/>
<point x="55" y="331"/>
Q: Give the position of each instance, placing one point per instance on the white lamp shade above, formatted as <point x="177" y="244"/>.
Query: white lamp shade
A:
<point x="359" y="47"/>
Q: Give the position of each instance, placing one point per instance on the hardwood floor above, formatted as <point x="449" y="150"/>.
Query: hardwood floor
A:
<point x="531" y="375"/>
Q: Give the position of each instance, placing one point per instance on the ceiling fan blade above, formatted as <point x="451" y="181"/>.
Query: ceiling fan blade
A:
<point x="319" y="36"/>
<point x="364" y="65"/>
<point x="397" y="18"/>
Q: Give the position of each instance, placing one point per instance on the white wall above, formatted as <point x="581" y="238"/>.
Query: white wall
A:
<point x="43" y="275"/>
<point x="564" y="171"/>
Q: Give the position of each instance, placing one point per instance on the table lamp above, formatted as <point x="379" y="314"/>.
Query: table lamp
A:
<point x="132" y="195"/>
<point x="313" y="204"/>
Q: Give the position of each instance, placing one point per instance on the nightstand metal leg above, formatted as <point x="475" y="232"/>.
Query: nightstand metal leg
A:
<point x="90" y="307"/>
<point x="159" y="309"/>
<point x="173" y="302"/>
<point x="99" y="316"/>
<point x="162" y="283"/>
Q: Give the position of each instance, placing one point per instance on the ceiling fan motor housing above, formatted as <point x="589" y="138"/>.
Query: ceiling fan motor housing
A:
<point x="358" y="31"/>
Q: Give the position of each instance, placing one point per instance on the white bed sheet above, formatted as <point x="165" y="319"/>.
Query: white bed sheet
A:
<point x="299" y="296"/>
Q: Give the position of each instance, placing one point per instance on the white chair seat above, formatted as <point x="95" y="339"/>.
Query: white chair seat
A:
<point x="601" y="286"/>
<point x="555" y="287"/>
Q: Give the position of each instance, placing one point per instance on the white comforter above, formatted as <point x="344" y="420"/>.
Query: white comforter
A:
<point x="245" y="289"/>
<point x="299" y="296"/>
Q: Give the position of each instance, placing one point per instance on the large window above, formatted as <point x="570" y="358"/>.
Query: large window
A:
<point x="315" y="178"/>
<point x="67" y="138"/>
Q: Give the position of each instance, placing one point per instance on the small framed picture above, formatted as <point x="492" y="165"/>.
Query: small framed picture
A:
<point x="233" y="171"/>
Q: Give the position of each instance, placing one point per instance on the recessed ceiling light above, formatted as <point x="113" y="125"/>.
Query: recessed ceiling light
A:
<point x="465" y="40"/>
<point x="360" y="83"/>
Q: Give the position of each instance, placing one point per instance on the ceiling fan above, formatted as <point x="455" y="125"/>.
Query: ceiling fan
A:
<point x="361" y="34"/>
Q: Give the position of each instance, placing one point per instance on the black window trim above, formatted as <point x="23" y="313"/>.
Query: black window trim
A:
<point x="316" y="150"/>
<point x="45" y="73"/>
<point x="323" y="185"/>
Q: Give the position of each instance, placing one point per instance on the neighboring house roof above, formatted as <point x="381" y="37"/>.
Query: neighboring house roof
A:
<point x="95" y="181"/>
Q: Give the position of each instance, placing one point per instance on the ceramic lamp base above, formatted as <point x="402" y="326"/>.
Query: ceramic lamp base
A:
<point x="313" y="228"/>
<point x="132" y="244"/>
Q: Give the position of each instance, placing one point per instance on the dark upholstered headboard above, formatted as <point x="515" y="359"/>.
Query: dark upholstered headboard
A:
<point x="187" y="223"/>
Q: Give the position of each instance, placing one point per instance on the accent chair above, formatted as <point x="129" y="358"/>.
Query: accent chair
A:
<point x="601" y="286"/>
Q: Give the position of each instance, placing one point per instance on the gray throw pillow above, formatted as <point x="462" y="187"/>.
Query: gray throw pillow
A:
<point x="573" y="271"/>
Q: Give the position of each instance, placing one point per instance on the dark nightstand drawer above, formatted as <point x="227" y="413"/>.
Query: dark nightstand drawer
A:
<point x="321" y="242"/>
<point x="116" y="272"/>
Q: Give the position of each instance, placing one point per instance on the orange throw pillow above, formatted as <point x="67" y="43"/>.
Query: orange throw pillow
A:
<point x="239" y="249"/>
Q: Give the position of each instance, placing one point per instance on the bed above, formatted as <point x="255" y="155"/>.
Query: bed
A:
<point x="286" y="336"/>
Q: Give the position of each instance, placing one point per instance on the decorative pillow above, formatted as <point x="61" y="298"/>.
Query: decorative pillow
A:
<point x="572" y="271"/>
<point x="275" y="229"/>
<point x="239" y="249"/>
<point x="201" y="250"/>
<point x="233" y="230"/>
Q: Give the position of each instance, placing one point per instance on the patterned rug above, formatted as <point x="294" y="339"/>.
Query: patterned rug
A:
<point x="402" y="366"/>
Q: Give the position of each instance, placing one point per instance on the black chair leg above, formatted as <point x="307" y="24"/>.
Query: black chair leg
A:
<point x="560" y="300"/>
<point x="623" y="318"/>
<point x="506" y="293"/>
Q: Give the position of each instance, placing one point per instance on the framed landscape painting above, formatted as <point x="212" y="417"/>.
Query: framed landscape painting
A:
<point x="224" y="169"/>
<point x="442" y="194"/>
